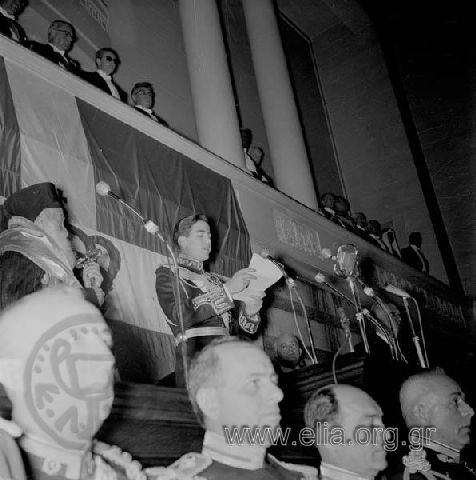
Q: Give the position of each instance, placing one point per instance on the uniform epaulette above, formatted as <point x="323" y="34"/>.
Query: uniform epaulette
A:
<point x="307" y="472"/>
<point x="186" y="467"/>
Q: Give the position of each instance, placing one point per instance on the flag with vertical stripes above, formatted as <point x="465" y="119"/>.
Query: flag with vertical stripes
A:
<point x="46" y="134"/>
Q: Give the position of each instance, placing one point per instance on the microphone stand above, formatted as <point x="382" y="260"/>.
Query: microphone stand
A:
<point x="153" y="229"/>
<point x="292" y="286"/>
<point x="360" y="314"/>
<point x="415" y="337"/>
<point x="363" y="311"/>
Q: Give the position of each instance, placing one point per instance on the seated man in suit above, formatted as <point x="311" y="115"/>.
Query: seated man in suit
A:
<point x="107" y="62"/>
<point x="413" y="254"/>
<point x="61" y="36"/>
<point x="341" y="416"/>
<point x="143" y="98"/>
<point x="9" y="11"/>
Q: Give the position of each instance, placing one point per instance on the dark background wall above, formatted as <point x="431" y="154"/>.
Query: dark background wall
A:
<point x="430" y="51"/>
<point x="372" y="145"/>
<point x="312" y="109"/>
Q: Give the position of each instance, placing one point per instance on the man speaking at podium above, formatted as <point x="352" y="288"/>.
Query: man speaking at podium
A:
<point x="207" y="304"/>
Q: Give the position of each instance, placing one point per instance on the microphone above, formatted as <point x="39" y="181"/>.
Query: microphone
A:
<point x="103" y="189"/>
<point x="397" y="291"/>
<point x="320" y="278"/>
<point x="326" y="253"/>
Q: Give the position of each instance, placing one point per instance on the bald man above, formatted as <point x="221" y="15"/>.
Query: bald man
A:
<point x="348" y="410"/>
<point x="439" y="420"/>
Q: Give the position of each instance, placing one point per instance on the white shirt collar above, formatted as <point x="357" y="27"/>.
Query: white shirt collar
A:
<point x="108" y="79"/>
<point x="148" y="110"/>
<point x="57" y="50"/>
<point x="336" y="473"/>
<point x="104" y="75"/>
<point x="249" y="457"/>
<point x="6" y="14"/>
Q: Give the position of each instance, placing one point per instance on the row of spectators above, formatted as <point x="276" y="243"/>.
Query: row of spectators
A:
<point x="61" y="38"/>
<point x="337" y="209"/>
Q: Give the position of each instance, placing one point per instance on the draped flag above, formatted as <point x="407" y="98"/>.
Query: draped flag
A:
<point x="46" y="134"/>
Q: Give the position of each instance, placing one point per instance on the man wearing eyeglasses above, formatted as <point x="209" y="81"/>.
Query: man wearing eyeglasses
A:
<point x="107" y="62"/>
<point x="61" y="36"/>
<point x="143" y="98"/>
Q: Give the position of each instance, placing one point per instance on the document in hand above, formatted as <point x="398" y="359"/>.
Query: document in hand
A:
<point x="267" y="274"/>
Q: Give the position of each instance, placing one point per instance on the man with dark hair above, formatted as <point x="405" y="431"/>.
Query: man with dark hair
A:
<point x="327" y="204"/>
<point x="439" y="419"/>
<point x="413" y="254"/>
<point x="35" y="251"/>
<point x="232" y="385"/>
<point x="206" y="302"/>
<point x="342" y="211"/>
<point x="341" y="412"/>
<point x="9" y="11"/>
<point x="107" y="62"/>
<point x="61" y="36"/>
<point x="143" y="99"/>
<point x="375" y="233"/>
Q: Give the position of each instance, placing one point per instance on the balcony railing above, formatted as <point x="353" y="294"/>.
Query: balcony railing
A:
<point x="289" y="230"/>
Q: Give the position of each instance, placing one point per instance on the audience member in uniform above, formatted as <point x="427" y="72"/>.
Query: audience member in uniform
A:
<point x="61" y="36"/>
<point x="232" y="385"/>
<point x="9" y="11"/>
<point x="143" y="99"/>
<point x="413" y="254"/>
<point x="107" y="62"/>
<point x="347" y="408"/>
<point x="439" y="421"/>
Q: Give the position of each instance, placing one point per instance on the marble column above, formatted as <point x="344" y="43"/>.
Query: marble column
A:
<point x="292" y="172"/>
<point x="213" y="100"/>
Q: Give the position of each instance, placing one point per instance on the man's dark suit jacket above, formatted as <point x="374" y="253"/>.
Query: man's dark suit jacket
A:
<point x="95" y="79"/>
<point x="411" y="257"/>
<point x="152" y="116"/>
<point x="6" y="27"/>
<point x="47" y="51"/>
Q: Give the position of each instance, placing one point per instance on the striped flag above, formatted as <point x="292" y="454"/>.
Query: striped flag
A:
<point x="46" y="134"/>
